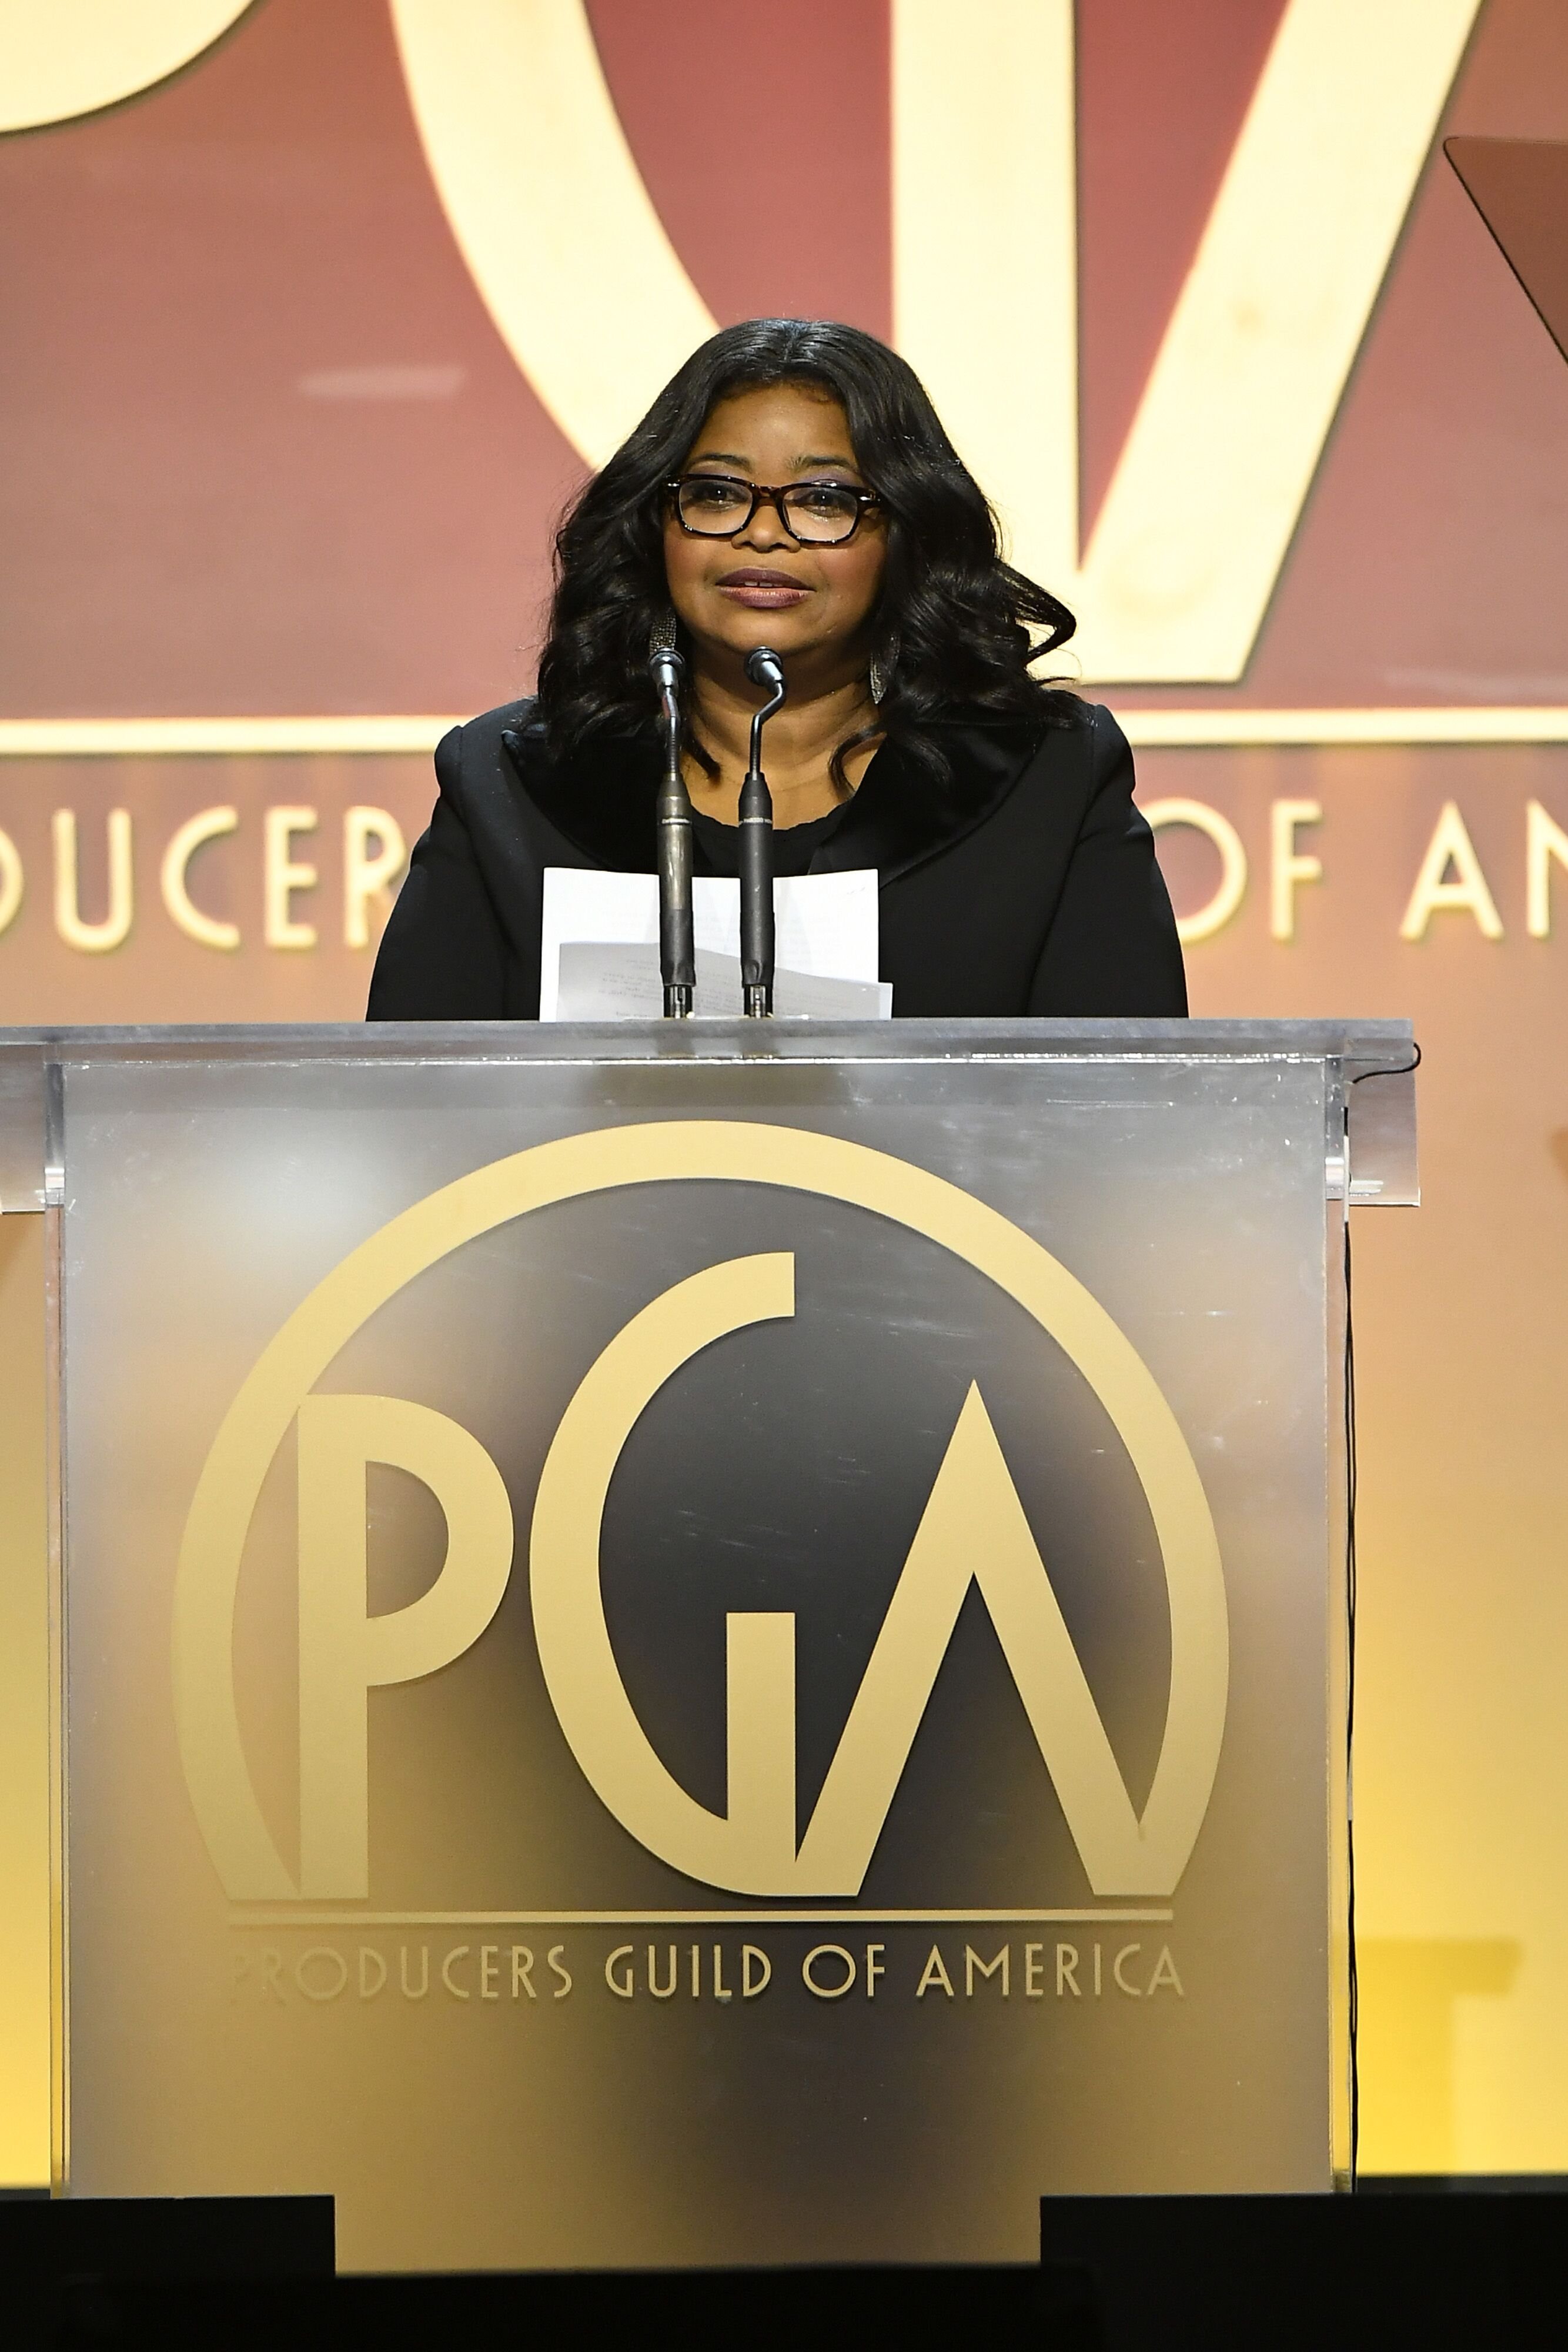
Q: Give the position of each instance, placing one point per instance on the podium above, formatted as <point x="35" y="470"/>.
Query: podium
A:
<point x="699" y="1644"/>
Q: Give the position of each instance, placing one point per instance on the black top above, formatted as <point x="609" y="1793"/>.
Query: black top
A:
<point x="1025" y="884"/>
<point x="794" y="849"/>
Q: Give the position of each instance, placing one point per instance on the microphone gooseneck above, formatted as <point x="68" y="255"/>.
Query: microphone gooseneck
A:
<point x="764" y="668"/>
<point x="673" y="819"/>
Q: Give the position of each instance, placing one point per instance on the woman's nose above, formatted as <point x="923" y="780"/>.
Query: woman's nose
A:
<point x="765" y="529"/>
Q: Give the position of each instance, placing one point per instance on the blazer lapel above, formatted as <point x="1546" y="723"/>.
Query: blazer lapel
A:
<point x="900" y="816"/>
<point x="603" y="802"/>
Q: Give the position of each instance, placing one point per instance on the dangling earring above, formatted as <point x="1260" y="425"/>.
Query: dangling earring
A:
<point x="662" y="637"/>
<point x="883" y="662"/>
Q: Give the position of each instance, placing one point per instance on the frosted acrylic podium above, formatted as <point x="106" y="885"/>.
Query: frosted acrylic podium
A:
<point x="700" y="1644"/>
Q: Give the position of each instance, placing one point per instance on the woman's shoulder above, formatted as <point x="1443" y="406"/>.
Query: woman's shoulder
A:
<point x="503" y="776"/>
<point x="483" y="763"/>
<point x="1074" y="724"/>
<point x="1067" y="736"/>
<point x="1108" y="744"/>
<point x="515" y="740"/>
<point x="1085" y="739"/>
<point x="1064" y="773"/>
<point x="482" y="741"/>
<point x="1062" y="719"/>
<point x="1084" y="763"/>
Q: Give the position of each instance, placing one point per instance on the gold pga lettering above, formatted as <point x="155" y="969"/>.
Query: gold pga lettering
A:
<point x="465" y="1972"/>
<point x="479" y="1976"/>
<point x="565" y="246"/>
<point x="972" y="1532"/>
<point x="374" y="857"/>
<point x="1173" y="578"/>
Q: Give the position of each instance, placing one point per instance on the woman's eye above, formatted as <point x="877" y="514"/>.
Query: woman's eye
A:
<point x="716" y="496"/>
<point x="823" y="498"/>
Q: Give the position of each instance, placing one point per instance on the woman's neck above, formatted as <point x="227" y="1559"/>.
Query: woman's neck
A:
<point x="798" y="747"/>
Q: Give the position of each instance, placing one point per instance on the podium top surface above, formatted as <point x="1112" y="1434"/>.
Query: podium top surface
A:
<point x="1381" y="1116"/>
<point x="1358" y="1044"/>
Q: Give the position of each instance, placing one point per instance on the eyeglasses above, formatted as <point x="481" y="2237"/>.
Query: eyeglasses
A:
<point x="718" y="506"/>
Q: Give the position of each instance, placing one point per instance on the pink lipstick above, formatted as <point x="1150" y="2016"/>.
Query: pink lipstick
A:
<point x="763" y="590"/>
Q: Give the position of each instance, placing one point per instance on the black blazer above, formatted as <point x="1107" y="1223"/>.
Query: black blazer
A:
<point x="1028" y="884"/>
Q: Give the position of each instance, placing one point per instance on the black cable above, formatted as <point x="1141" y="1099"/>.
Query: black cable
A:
<point x="1353" y="1988"/>
<point x="1394" y="1069"/>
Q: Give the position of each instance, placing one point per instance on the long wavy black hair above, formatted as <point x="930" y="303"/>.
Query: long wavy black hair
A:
<point x="968" y="625"/>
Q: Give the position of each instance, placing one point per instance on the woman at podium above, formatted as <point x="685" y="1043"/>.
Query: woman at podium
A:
<point x="793" y="487"/>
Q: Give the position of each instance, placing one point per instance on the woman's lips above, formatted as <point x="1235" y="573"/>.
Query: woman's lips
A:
<point x="764" y="592"/>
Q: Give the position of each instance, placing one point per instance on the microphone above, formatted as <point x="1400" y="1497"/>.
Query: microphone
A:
<point x="764" y="668"/>
<point x="673" y="819"/>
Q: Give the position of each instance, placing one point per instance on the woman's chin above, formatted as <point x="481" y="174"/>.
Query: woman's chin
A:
<point x="740" y="630"/>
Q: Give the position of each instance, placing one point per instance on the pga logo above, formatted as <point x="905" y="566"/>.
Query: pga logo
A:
<point x="973" y="1531"/>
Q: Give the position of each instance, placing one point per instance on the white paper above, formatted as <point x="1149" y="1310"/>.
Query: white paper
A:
<point x="826" y="928"/>
<point x="603" y="980"/>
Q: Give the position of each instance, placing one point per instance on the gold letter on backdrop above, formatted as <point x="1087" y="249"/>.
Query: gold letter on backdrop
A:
<point x="1204" y="921"/>
<point x="282" y="876"/>
<point x="209" y="825"/>
<point x="1286" y="866"/>
<point x="1451" y="846"/>
<point x="559" y="229"/>
<point x="549" y="208"/>
<point x="93" y="939"/>
<point x="1544" y="840"/>
<point x="1176" y="577"/>
<point x="59" y="59"/>
<point x="12" y="881"/>
<point x="368" y="874"/>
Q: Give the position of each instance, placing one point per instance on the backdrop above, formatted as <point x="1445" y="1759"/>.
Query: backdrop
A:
<point x="317" y="310"/>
